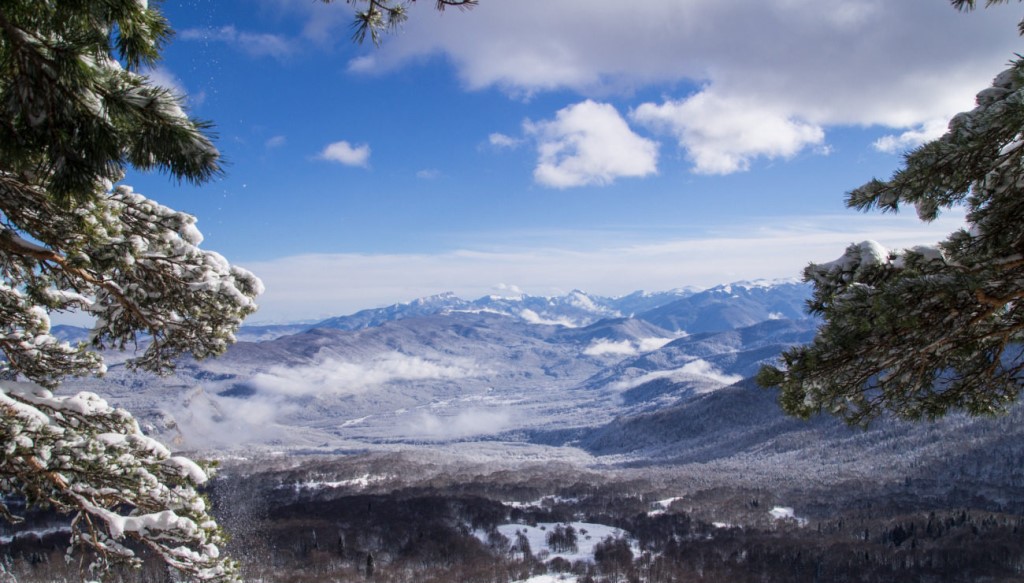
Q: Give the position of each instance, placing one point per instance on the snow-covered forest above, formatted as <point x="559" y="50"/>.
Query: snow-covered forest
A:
<point x="861" y="425"/>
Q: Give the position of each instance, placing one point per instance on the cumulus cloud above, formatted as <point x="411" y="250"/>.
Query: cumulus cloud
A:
<point x="723" y="135"/>
<point x="253" y="44"/>
<point x="912" y="138"/>
<point x="347" y="154"/>
<point x="807" y="66"/>
<point x="337" y="377"/>
<point x="507" y="290"/>
<point x="589" y="143"/>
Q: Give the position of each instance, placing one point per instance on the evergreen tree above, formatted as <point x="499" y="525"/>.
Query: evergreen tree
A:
<point x="75" y="113"/>
<point x="923" y="331"/>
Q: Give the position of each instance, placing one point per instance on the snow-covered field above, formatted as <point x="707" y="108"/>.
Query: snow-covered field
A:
<point x="588" y="535"/>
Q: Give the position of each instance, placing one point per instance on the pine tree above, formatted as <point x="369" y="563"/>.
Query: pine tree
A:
<point x="75" y="113"/>
<point x="923" y="331"/>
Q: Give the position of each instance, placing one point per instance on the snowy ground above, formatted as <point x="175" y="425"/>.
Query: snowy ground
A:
<point x="588" y="535"/>
<point x="557" y="578"/>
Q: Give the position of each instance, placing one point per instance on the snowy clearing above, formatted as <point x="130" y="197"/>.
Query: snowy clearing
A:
<point x="588" y="535"/>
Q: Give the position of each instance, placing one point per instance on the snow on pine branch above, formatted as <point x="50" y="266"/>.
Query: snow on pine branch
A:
<point x="134" y="264"/>
<point x="82" y="456"/>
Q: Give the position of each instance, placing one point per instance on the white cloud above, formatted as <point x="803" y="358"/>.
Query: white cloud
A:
<point x="347" y="154"/>
<point x="723" y="135"/>
<point x="163" y="77"/>
<point x="337" y="377"/>
<point x="649" y="344"/>
<point x="499" y="140"/>
<point x="589" y="143"/>
<point x="912" y="138"/>
<point x="428" y="174"/>
<point x="603" y="347"/>
<point x="506" y="290"/>
<point x="275" y="142"/>
<point x="703" y="368"/>
<point x="535" y="318"/>
<point x="809" y="64"/>
<point x="253" y="44"/>
<point x="463" y="424"/>
<point x="322" y="285"/>
<point x="699" y="369"/>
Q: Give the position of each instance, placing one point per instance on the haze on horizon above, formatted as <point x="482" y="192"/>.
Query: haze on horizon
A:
<point x="543" y="146"/>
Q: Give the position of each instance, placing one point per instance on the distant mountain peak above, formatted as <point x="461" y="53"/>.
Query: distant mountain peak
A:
<point x="752" y="284"/>
<point x="442" y="297"/>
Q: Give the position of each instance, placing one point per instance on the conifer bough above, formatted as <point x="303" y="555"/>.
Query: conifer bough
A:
<point x="75" y="113"/>
<point x="382" y="16"/>
<point x="923" y="331"/>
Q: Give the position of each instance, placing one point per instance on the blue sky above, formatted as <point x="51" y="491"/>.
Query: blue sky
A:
<point x="545" y="145"/>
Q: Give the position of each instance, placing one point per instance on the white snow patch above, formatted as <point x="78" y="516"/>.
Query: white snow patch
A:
<point x="559" y="578"/>
<point x="662" y="506"/>
<point x="352" y="422"/>
<point x="39" y="534"/>
<point x="588" y="535"/>
<point x="542" y="502"/>
<point x="361" y="482"/>
<point x="786" y="513"/>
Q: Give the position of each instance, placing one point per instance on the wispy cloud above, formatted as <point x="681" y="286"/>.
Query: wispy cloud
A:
<point x="253" y="44"/>
<point x="345" y="153"/>
<point x="604" y="347"/>
<point x="338" y="377"/>
<point x="696" y="369"/>
<point x="275" y="142"/>
<point x="313" y="286"/>
<point x="589" y="143"/>
<point x="502" y="141"/>
<point x="462" y="424"/>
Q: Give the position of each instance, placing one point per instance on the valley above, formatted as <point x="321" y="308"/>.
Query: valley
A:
<point x="447" y="440"/>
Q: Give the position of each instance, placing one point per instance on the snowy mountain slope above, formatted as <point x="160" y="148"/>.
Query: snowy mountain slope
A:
<point x="720" y="308"/>
<point x="732" y="306"/>
<point x="443" y="370"/>
<point x="740" y="430"/>
<point x="701" y="363"/>
<point x="762" y="300"/>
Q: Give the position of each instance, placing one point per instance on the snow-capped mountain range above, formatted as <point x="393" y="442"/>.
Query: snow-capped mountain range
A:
<point x="687" y="309"/>
<point x="645" y="378"/>
<point x="444" y="370"/>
